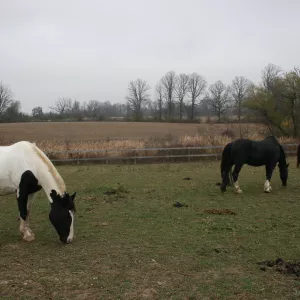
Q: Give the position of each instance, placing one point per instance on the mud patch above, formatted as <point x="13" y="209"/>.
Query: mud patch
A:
<point x="220" y="212"/>
<point x="187" y="178"/>
<point x="115" y="191"/>
<point x="178" y="204"/>
<point x="281" y="266"/>
<point x="110" y="192"/>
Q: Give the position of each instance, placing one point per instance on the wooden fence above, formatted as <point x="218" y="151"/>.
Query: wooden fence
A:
<point x="145" y="155"/>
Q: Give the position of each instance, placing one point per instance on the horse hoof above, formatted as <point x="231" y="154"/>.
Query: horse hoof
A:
<point x="268" y="189"/>
<point x="239" y="191"/>
<point x="28" y="237"/>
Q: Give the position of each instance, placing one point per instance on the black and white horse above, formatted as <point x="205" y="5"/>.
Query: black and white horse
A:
<point x="267" y="152"/>
<point x="24" y="170"/>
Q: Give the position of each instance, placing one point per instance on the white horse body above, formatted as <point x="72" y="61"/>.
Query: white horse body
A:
<point x="23" y="156"/>
<point x="25" y="169"/>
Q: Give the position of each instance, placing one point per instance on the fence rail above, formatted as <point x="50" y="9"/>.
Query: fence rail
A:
<point x="181" y="154"/>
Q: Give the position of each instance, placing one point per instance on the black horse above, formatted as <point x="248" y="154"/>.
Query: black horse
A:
<point x="298" y="156"/>
<point x="267" y="152"/>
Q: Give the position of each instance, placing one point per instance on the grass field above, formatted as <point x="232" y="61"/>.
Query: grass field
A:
<point x="135" y="245"/>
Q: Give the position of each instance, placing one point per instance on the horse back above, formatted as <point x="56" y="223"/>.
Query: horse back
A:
<point x="255" y="153"/>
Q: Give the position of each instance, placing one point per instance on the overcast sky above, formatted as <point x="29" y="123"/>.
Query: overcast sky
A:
<point x="90" y="50"/>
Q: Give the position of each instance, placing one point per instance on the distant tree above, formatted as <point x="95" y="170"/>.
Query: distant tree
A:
<point x="239" y="90"/>
<point x="37" y="112"/>
<point x="5" y="97"/>
<point x="196" y="87"/>
<point x="159" y="95"/>
<point x="93" y="109"/>
<point x="168" y="83"/>
<point x="137" y="96"/>
<point x="218" y="99"/>
<point x="62" y="105"/>
<point x="291" y="100"/>
<point x="270" y="74"/>
<point x="277" y="101"/>
<point x="13" y="112"/>
<point x="181" y="89"/>
<point x="75" y="107"/>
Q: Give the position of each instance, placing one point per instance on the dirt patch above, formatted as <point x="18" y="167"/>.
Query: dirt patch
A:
<point x="220" y="211"/>
<point x="178" y="204"/>
<point x="281" y="266"/>
<point x="110" y="192"/>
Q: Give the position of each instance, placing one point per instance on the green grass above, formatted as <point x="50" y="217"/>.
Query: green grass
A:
<point x="136" y="245"/>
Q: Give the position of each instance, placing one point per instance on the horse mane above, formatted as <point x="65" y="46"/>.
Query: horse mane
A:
<point x="60" y="182"/>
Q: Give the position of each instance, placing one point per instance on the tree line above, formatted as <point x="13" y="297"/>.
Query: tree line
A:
<point x="275" y="100"/>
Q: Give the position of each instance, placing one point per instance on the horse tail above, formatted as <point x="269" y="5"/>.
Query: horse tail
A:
<point x="298" y="156"/>
<point x="282" y="159"/>
<point x="226" y="157"/>
<point x="226" y="162"/>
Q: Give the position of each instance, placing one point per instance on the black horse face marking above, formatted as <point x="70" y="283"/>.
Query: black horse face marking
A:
<point x="62" y="215"/>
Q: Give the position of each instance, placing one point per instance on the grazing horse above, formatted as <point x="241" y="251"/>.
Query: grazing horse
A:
<point x="24" y="170"/>
<point x="298" y="156"/>
<point x="267" y="152"/>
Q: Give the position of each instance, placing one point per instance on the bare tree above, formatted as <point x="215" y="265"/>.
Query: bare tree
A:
<point x="219" y="98"/>
<point x="181" y="89"/>
<point x="137" y="95"/>
<point x="239" y="90"/>
<point x="270" y="74"/>
<point x="168" y="82"/>
<point x="5" y="97"/>
<point x="196" y="88"/>
<point x="62" y="105"/>
<point x="92" y="109"/>
<point x="159" y="95"/>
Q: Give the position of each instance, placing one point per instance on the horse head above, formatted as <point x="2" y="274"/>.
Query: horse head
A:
<point x="62" y="215"/>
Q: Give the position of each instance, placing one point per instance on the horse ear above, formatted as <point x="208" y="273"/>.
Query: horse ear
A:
<point x="71" y="204"/>
<point x="54" y="195"/>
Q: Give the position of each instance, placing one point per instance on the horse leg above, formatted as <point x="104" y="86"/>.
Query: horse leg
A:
<point x="225" y="178"/>
<point x="27" y="188"/>
<point x="235" y="175"/>
<point x="29" y="206"/>
<point x="22" y="197"/>
<point x="269" y="172"/>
